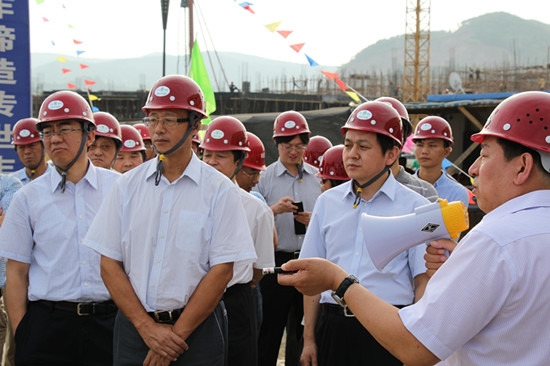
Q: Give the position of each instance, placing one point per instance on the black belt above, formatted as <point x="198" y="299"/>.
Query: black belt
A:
<point x="80" y="308"/>
<point x="166" y="316"/>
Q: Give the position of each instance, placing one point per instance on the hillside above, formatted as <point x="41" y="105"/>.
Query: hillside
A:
<point x="493" y="40"/>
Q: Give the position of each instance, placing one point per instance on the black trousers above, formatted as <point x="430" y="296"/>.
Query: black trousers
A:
<point x="282" y="307"/>
<point x="241" y="317"/>
<point x="344" y="341"/>
<point x="207" y="344"/>
<point x="50" y="336"/>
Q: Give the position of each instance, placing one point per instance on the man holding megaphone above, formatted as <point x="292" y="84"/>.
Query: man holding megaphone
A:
<point x="372" y="143"/>
<point x="488" y="304"/>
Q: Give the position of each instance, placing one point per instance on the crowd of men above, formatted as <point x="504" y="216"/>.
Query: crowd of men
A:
<point x="146" y="244"/>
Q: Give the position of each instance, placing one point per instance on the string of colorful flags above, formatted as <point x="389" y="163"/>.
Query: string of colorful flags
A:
<point x="297" y="47"/>
<point x="58" y="16"/>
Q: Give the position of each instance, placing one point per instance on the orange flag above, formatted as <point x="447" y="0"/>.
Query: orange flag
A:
<point x="71" y="86"/>
<point x="297" y="47"/>
<point x="284" y="33"/>
<point x="89" y="82"/>
<point x="65" y="70"/>
<point x="330" y="75"/>
<point x="76" y="41"/>
<point x="82" y="66"/>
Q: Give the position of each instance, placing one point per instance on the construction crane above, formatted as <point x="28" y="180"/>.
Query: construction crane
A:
<point x="416" y="76"/>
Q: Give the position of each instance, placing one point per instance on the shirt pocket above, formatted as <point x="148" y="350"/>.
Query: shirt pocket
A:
<point x="192" y="232"/>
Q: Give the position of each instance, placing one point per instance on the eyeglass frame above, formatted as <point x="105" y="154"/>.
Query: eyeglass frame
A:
<point x="62" y="132"/>
<point x="288" y="147"/>
<point x="252" y="176"/>
<point x="171" y="123"/>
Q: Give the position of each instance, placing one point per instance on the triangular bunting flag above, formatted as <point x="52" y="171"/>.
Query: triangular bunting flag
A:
<point x="341" y="84"/>
<point x="71" y="86"/>
<point x="273" y="26"/>
<point x="89" y="82"/>
<point x="82" y="66"/>
<point x="61" y="59"/>
<point x="44" y="19"/>
<point x="65" y="70"/>
<point x="39" y="2"/>
<point x="76" y="41"/>
<point x="330" y="75"/>
<point x="353" y="95"/>
<point x="311" y="61"/>
<point x="78" y="53"/>
<point x="53" y="43"/>
<point x="297" y="47"/>
<point x="93" y="98"/>
<point x="284" y="33"/>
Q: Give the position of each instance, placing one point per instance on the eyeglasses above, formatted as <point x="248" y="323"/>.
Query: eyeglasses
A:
<point x="63" y="133"/>
<point x="252" y="176"/>
<point x="168" y="122"/>
<point x="288" y="147"/>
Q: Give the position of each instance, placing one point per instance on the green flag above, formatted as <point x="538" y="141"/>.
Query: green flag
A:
<point x="198" y="72"/>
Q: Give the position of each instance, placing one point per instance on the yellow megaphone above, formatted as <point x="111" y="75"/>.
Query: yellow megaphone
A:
<point x="387" y="237"/>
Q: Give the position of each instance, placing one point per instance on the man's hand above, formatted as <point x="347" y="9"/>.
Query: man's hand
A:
<point x="435" y="254"/>
<point x="285" y="204"/>
<point x="154" y="359"/>
<point x="303" y="217"/>
<point x="162" y="340"/>
<point x="313" y="276"/>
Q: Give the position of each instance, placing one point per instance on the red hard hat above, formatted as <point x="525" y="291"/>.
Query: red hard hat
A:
<point x="400" y="108"/>
<point x="377" y="117"/>
<point x="176" y="92"/>
<point x="315" y="149"/>
<point x="196" y="139"/>
<point x="433" y="127"/>
<point x="143" y="131"/>
<point x="290" y="123"/>
<point x="522" y="118"/>
<point x="225" y="133"/>
<point x="25" y="132"/>
<point x="131" y="139"/>
<point x="107" y="126"/>
<point x="63" y="105"/>
<point x="256" y="156"/>
<point x="332" y="164"/>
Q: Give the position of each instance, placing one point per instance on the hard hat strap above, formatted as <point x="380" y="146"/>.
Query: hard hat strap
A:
<point x="361" y="186"/>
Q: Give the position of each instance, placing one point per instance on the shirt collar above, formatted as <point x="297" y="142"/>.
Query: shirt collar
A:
<point x="90" y="177"/>
<point x="193" y="169"/>
<point x="388" y="188"/>
<point x="280" y="168"/>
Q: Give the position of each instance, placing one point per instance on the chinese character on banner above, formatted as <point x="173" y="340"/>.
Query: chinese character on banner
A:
<point x="15" y="76"/>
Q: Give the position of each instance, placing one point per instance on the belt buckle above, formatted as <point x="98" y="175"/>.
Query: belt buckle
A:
<point x="157" y="317"/>
<point x="85" y="312"/>
<point x="348" y="313"/>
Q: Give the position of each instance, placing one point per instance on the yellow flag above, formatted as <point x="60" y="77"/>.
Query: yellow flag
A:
<point x="198" y="72"/>
<point x="273" y="26"/>
<point x="61" y="59"/>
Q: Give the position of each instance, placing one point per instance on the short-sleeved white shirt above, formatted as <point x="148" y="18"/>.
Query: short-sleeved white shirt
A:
<point x="169" y="236"/>
<point x="489" y="303"/>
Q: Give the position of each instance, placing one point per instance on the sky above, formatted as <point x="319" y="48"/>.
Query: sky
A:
<point x="332" y="31"/>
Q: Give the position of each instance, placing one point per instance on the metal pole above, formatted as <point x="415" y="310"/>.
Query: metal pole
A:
<point x="164" y="4"/>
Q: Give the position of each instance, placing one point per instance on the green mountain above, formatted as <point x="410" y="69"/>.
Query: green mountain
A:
<point x="488" y="41"/>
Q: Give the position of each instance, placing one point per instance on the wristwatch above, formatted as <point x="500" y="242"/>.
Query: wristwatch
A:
<point x="338" y="295"/>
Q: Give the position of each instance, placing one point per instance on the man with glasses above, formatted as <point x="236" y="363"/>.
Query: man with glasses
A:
<point x="285" y="182"/>
<point x="56" y="300"/>
<point x="169" y="233"/>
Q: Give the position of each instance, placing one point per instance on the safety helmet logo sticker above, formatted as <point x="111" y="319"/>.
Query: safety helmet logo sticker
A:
<point x="290" y="124"/>
<point x="55" y="105"/>
<point x="217" y="134"/>
<point x="102" y="128"/>
<point x="130" y="144"/>
<point x="24" y="133"/>
<point x="162" y="91"/>
<point x="364" y="115"/>
<point x="425" y="126"/>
